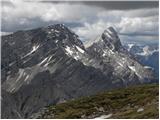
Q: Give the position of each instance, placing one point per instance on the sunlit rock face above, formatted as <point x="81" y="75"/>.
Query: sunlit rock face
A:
<point x="109" y="48"/>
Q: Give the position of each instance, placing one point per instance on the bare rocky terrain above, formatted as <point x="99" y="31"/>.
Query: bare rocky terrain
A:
<point x="50" y="65"/>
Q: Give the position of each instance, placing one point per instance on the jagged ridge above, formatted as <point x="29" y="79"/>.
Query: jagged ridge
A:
<point x="49" y="65"/>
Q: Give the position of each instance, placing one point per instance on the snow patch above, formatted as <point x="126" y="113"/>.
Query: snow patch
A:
<point x="108" y="35"/>
<point x="104" y="116"/>
<point x="69" y="51"/>
<point x="80" y="50"/>
<point x="26" y="78"/>
<point x="45" y="59"/>
<point x="104" y="54"/>
<point x="148" y="67"/>
<point x="140" y="110"/>
<point x="56" y="41"/>
<point x="57" y="31"/>
<point x="73" y="52"/>
<point x="120" y="64"/>
<point x="109" y="31"/>
<point x="130" y="46"/>
<point x="111" y="51"/>
<point x="13" y="89"/>
<point x="147" y="51"/>
<point x="132" y="68"/>
<point x="50" y="58"/>
<point x="11" y="63"/>
<point x="21" y="73"/>
<point x="34" y="48"/>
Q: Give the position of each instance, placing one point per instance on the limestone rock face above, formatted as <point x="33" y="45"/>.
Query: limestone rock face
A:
<point x="49" y="65"/>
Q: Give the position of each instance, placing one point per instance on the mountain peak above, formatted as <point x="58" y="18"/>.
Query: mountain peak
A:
<point x="110" y="33"/>
<point x="57" y="26"/>
<point x="110" y="37"/>
<point x="111" y="30"/>
<point x="58" y="34"/>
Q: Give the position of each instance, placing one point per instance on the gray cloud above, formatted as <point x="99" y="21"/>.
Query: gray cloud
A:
<point x="137" y="20"/>
<point x="113" y="5"/>
<point x="140" y="34"/>
<point x="124" y="5"/>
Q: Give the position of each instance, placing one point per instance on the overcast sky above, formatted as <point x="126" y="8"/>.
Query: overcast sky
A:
<point x="132" y="20"/>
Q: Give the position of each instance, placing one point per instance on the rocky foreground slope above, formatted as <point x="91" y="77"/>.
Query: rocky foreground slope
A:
<point x="131" y="103"/>
<point x="50" y="65"/>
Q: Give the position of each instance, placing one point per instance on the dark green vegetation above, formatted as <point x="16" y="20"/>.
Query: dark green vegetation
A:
<point x="132" y="102"/>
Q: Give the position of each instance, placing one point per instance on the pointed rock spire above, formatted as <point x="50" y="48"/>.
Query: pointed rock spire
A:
<point x="111" y="38"/>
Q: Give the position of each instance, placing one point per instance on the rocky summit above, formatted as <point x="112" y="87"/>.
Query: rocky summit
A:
<point x="50" y="65"/>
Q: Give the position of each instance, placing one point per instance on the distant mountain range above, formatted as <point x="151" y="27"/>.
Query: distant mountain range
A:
<point x="147" y="55"/>
<point x="50" y="65"/>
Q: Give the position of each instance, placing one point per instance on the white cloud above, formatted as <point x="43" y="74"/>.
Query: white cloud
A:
<point x="5" y="33"/>
<point x="91" y="31"/>
<point x="138" y="25"/>
<point x="25" y="12"/>
<point x="124" y="22"/>
<point x="18" y="14"/>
